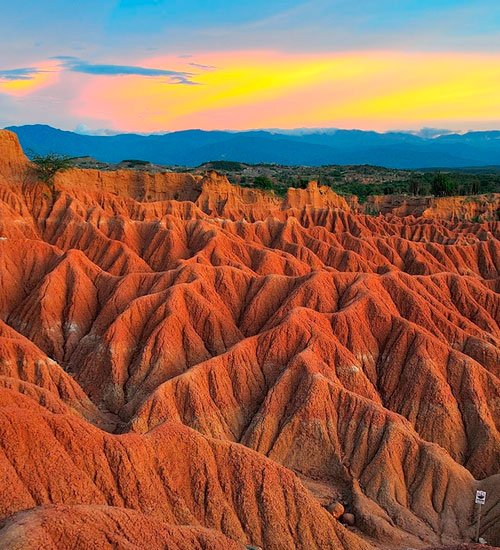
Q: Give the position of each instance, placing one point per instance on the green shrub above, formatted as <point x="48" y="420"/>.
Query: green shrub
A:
<point x="263" y="182"/>
<point x="45" y="167"/>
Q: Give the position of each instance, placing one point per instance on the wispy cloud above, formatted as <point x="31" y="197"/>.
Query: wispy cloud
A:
<point x="297" y="11"/>
<point x="23" y="73"/>
<point x="76" y="65"/>
<point x="205" y="67"/>
<point x="183" y="80"/>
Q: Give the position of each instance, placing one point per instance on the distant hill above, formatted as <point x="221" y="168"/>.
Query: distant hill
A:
<point x="195" y="147"/>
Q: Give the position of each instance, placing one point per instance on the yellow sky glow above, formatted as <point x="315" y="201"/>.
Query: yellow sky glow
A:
<point x="47" y="75"/>
<point x="263" y="89"/>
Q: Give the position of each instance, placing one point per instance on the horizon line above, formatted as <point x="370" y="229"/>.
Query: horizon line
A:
<point x="106" y="132"/>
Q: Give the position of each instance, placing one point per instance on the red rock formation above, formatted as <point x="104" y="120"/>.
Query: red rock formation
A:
<point x="226" y="342"/>
<point x="105" y="528"/>
<point x="141" y="186"/>
<point x="477" y="208"/>
<point x="480" y="208"/>
<point x="317" y="197"/>
<point x="13" y="161"/>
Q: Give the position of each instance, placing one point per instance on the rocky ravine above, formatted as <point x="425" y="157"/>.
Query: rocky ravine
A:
<point x="197" y="365"/>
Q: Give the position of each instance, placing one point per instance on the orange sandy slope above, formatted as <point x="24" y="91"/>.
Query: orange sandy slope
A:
<point x="184" y="360"/>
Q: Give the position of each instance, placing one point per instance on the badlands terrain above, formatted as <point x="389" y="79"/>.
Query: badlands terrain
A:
<point x="188" y="364"/>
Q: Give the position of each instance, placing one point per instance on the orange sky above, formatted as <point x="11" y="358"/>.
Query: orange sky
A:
<point x="268" y="89"/>
<point x="265" y="89"/>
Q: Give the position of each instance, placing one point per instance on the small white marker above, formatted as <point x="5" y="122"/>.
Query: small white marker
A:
<point x="480" y="499"/>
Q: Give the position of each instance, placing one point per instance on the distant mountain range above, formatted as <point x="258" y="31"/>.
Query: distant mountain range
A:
<point x="305" y="147"/>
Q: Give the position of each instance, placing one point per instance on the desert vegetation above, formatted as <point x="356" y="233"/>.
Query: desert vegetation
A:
<point x="43" y="170"/>
<point x="361" y="181"/>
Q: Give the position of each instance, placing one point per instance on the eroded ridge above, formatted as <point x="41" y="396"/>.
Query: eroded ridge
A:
<point x="203" y="355"/>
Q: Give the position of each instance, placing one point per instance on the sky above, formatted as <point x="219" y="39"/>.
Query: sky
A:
<point x="157" y="65"/>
